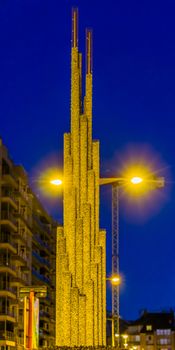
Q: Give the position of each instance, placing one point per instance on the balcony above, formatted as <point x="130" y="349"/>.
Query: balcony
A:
<point x="21" y="279"/>
<point x="40" y="277"/>
<point x="7" y="196"/>
<point x="7" y="266"/>
<point x="22" y="192"/>
<point x="20" y="235"/>
<point x="7" y="315"/>
<point x="26" y="220"/>
<point x="6" y="242"/>
<point x="21" y="258"/>
<point x="8" y="219"/>
<point x="20" y="341"/>
<point x="43" y="333"/>
<point x="43" y="244"/>
<point x="9" y="179"/>
<point x="43" y="226"/>
<point x="42" y="260"/>
<point x="6" y="335"/>
<point x="7" y="291"/>
<point x="21" y="320"/>
<point x="45" y="301"/>
<point x="44" y="316"/>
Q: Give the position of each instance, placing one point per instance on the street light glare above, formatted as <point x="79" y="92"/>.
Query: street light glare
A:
<point x="56" y="182"/>
<point x="116" y="280"/>
<point x="125" y="336"/>
<point x="136" y="180"/>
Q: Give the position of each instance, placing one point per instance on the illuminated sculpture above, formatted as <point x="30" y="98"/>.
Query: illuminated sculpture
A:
<point x="81" y="245"/>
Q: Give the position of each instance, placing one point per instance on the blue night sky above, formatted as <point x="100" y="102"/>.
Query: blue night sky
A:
<point x="133" y="116"/>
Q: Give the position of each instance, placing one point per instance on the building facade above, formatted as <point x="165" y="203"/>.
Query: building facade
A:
<point x="27" y="255"/>
<point x="152" y="331"/>
<point x="81" y="245"/>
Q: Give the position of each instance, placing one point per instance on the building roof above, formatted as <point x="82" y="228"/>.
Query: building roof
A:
<point x="157" y="320"/>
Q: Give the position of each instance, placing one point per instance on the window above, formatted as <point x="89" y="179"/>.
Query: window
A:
<point x="149" y="327"/>
<point x="163" y="331"/>
<point x="149" y="339"/>
<point x="163" y="341"/>
<point x="137" y="338"/>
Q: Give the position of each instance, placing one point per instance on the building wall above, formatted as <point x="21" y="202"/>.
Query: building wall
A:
<point x="153" y="331"/>
<point x="43" y="269"/>
<point x="27" y="254"/>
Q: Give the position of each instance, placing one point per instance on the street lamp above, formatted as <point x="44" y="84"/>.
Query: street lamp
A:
<point x="56" y="182"/>
<point x="155" y="182"/>
<point x="115" y="279"/>
<point x="48" y="182"/>
<point x="136" y="180"/>
<point x="115" y="282"/>
<point x="125" y="337"/>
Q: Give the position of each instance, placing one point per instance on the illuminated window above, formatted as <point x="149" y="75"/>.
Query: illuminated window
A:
<point x="149" y="327"/>
<point x="163" y="331"/>
<point x="137" y="338"/>
<point x="163" y="341"/>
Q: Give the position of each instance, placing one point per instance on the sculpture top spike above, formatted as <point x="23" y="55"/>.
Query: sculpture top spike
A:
<point x="74" y="27"/>
<point x="88" y="51"/>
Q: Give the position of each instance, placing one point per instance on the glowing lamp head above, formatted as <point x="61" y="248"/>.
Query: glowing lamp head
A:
<point x="56" y="182"/>
<point x="136" y="180"/>
<point x="116" y="280"/>
<point x="125" y="336"/>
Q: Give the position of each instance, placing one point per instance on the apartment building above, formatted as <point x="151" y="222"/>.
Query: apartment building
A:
<point x="43" y="269"/>
<point x="152" y="331"/>
<point x="27" y="255"/>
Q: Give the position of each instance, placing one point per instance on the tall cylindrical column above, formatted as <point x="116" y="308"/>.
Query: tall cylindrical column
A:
<point x="30" y="331"/>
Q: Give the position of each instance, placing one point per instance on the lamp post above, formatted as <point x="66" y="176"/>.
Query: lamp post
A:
<point x="154" y="182"/>
<point x="125" y="338"/>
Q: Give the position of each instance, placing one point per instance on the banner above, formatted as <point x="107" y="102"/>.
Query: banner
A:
<point x="35" y="328"/>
